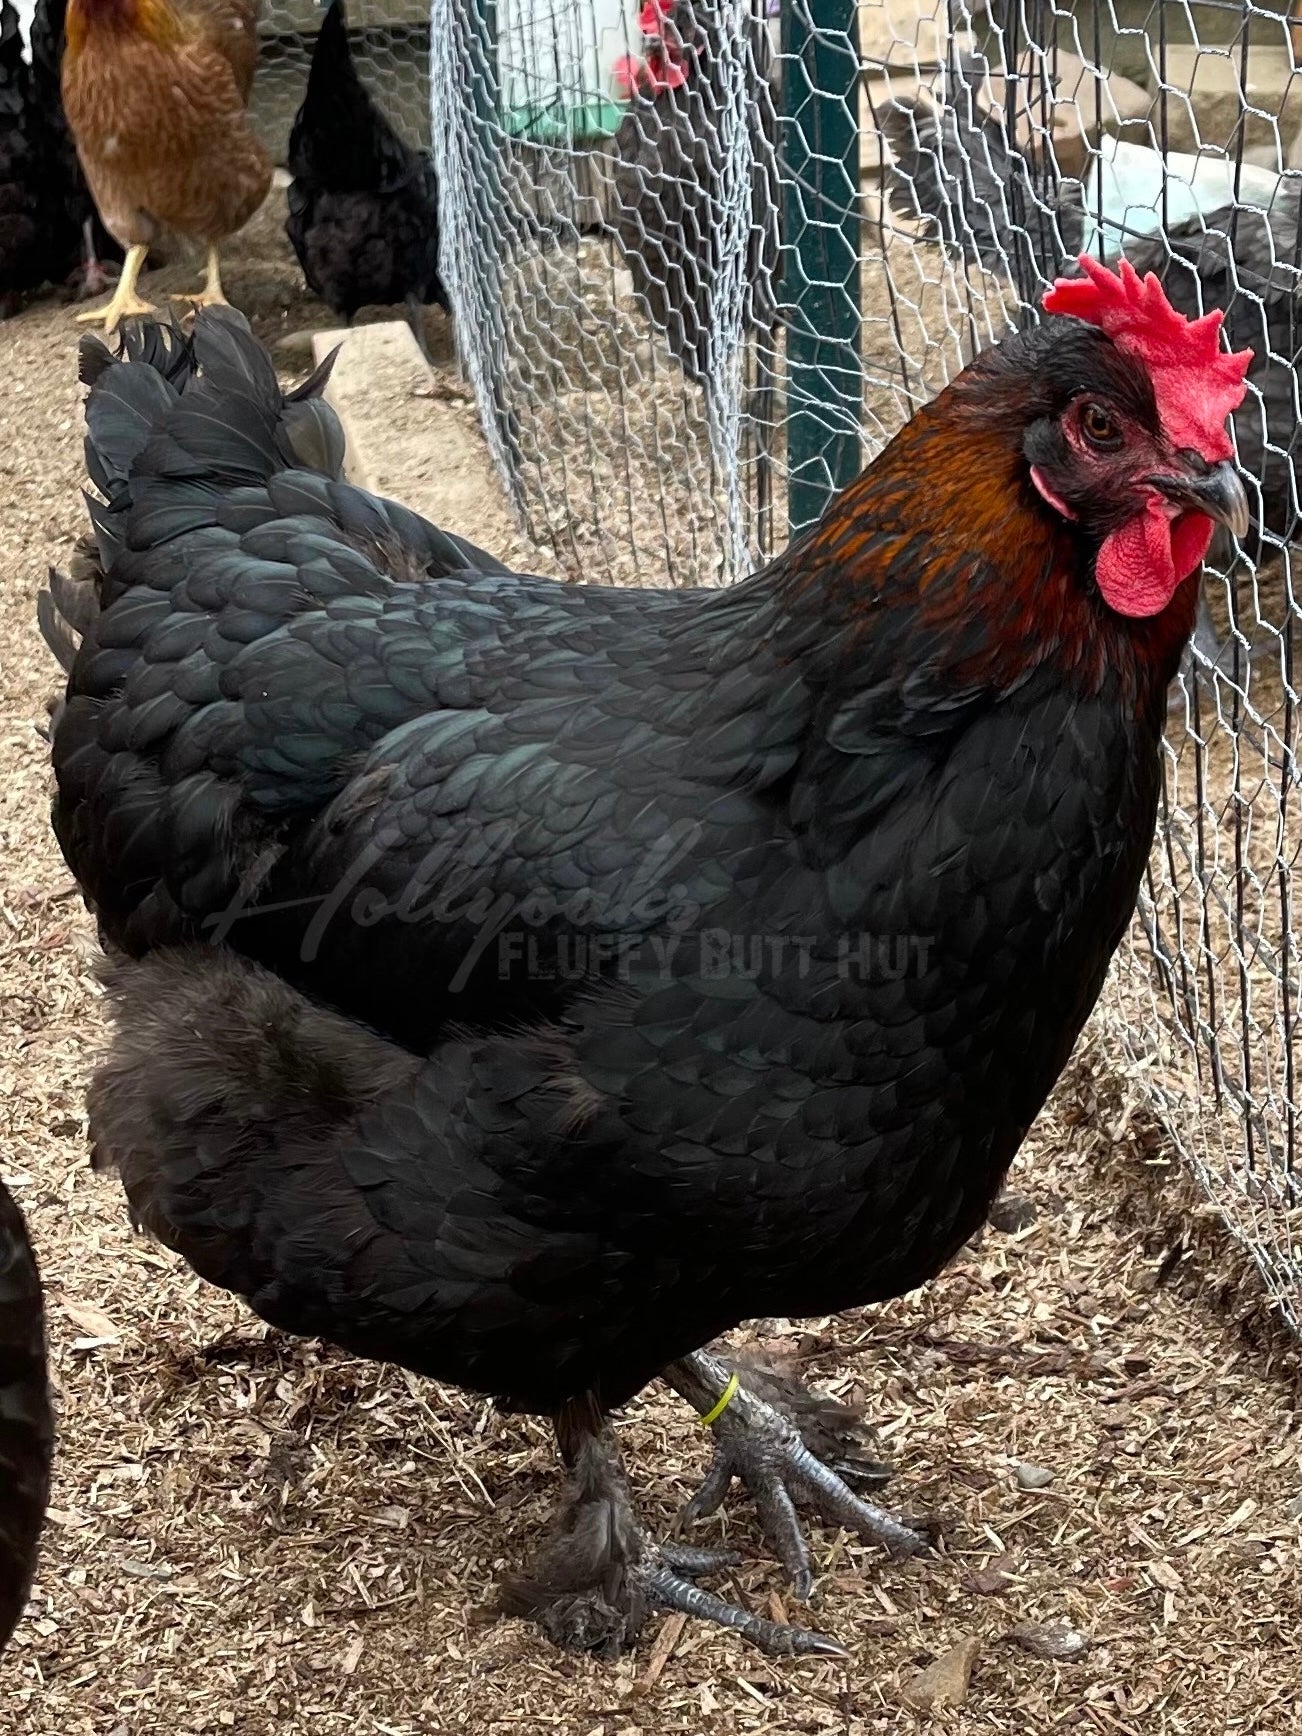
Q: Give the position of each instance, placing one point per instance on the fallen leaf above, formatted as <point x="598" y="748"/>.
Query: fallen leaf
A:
<point x="1053" y="1640"/>
<point x="990" y="1580"/>
<point x="92" y="1321"/>
<point x="145" y="1569"/>
<point x="944" y="1683"/>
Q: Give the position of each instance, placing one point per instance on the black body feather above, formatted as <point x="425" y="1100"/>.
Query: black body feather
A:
<point x="363" y="206"/>
<point x="26" y="1425"/>
<point x="526" y="981"/>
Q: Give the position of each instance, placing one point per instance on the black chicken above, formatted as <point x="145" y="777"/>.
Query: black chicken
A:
<point x="363" y="206"/>
<point x="82" y="251"/>
<point x="26" y="1425"/>
<point x="527" y="982"/>
<point x="21" y="252"/>
<point x="954" y="167"/>
<point x="668" y="177"/>
<point x="49" y="232"/>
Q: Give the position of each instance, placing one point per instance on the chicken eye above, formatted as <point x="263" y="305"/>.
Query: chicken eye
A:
<point x="1099" y="428"/>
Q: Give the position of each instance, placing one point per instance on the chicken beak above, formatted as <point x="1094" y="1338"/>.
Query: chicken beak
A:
<point x="1218" y="493"/>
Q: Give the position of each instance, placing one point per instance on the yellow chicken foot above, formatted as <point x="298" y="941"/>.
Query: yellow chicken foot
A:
<point x="124" y="303"/>
<point x="212" y="294"/>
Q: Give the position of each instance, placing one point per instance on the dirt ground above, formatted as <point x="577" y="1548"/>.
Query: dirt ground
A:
<point x="256" y="1535"/>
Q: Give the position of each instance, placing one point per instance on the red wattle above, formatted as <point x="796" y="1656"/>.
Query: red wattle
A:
<point x="1141" y="566"/>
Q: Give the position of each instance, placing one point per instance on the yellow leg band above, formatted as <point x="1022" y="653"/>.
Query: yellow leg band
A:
<point x="725" y="1399"/>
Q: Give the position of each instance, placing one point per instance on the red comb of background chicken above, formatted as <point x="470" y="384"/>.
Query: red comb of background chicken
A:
<point x="652" y="17"/>
<point x="662" y="69"/>
<point x="1196" y="382"/>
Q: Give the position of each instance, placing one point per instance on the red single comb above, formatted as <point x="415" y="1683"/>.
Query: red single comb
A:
<point x="1197" y="383"/>
<point x="653" y="15"/>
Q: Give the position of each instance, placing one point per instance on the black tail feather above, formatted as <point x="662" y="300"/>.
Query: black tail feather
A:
<point x="55" y="630"/>
<point x="186" y="407"/>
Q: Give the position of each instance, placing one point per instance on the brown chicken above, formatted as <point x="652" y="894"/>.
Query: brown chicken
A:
<point x="156" y="93"/>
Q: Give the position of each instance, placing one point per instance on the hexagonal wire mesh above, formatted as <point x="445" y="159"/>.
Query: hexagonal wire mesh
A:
<point x="705" y="260"/>
<point x="390" y="43"/>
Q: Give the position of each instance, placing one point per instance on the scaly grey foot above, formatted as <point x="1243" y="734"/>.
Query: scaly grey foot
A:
<point x="598" y="1576"/>
<point x="756" y="1442"/>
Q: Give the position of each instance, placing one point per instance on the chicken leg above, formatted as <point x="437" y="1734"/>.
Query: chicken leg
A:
<point x="598" y="1576"/>
<point x="212" y="294"/>
<point x="769" y="1452"/>
<point x="124" y="302"/>
<point x="92" y="276"/>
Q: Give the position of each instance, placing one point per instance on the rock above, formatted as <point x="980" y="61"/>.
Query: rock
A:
<point x="293" y="347"/>
<point x="1012" y="1212"/>
<point x="944" y="1683"/>
<point x="1083" y="108"/>
<point x="1032" y="1476"/>
<point x="1052" y="1640"/>
<point x="1205" y="102"/>
<point x="1295" y="1507"/>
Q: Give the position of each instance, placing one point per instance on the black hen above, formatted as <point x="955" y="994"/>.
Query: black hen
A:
<point x="363" y="206"/>
<point x="78" y="245"/>
<point x="21" y="253"/>
<point x="592" y="969"/>
<point x="26" y="1425"/>
<point x="668" y="177"/>
<point x="49" y="232"/>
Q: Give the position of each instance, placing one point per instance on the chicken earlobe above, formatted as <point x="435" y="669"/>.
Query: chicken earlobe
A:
<point x="766" y="1449"/>
<point x="598" y="1576"/>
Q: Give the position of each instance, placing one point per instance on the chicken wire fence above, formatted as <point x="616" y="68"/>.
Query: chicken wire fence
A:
<point x="390" y="42"/>
<point x="707" y="256"/>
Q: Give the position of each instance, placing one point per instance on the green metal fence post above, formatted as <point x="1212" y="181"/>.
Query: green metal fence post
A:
<point x="821" y="269"/>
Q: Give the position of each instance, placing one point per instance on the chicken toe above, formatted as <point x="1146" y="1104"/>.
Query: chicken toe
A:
<point x="598" y="1576"/>
<point x="212" y="294"/>
<point x="757" y="1442"/>
<point x="124" y="302"/>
